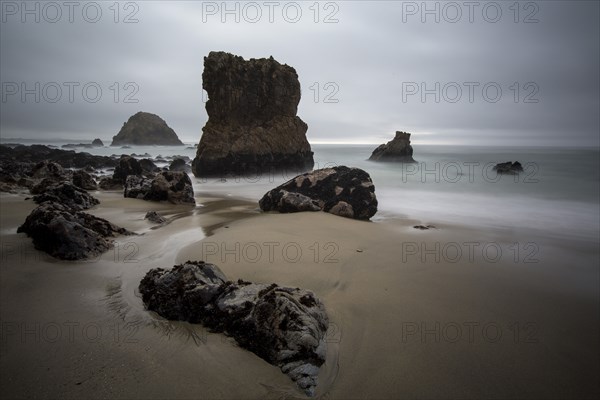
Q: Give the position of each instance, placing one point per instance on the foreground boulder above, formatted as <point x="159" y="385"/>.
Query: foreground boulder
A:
<point x="172" y="186"/>
<point x="69" y="234"/>
<point x="343" y="191"/>
<point x="146" y="129"/>
<point x="69" y="195"/>
<point x="252" y="124"/>
<point x="508" y="168"/>
<point x="284" y="326"/>
<point x="397" y="150"/>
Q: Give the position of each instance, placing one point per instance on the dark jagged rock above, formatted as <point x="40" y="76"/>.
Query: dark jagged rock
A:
<point x="69" y="195"/>
<point x="155" y="217"/>
<point x="343" y="191"/>
<point x="179" y="164"/>
<point x="398" y="150"/>
<point x="252" y="124"/>
<point x="108" y="183"/>
<point x="84" y="180"/>
<point x="127" y="166"/>
<point x="77" y="145"/>
<point x="69" y="234"/>
<point x="509" y="168"/>
<point x="148" y="166"/>
<point x="66" y="158"/>
<point x="144" y="128"/>
<point x="97" y="143"/>
<point x="48" y="169"/>
<point x="284" y="326"/>
<point x="172" y="186"/>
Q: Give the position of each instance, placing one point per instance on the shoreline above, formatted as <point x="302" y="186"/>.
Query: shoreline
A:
<point x="395" y="315"/>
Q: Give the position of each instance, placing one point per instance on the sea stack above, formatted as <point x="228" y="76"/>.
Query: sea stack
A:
<point x="396" y="150"/>
<point x="252" y="124"/>
<point x="144" y="128"/>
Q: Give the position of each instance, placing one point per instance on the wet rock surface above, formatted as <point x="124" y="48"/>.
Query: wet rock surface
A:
<point x="343" y="191"/>
<point x="67" y="233"/>
<point x="172" y="186"/>
<point x="396" y="150"/>
<point x="155" y="217"/>
<point x="284" y="326"/>
<point x="252" y="124"/>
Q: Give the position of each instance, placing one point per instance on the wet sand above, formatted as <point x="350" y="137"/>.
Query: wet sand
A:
<point x="443" y="313"/>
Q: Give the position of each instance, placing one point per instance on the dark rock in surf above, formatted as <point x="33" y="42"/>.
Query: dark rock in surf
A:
<point x="84" y="180"/>
<point x="396" y="150"/>
<point x="509" y="168"/>
<point x="343" y="191"/>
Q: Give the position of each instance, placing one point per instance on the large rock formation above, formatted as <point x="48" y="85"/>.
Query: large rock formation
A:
<point x="146" y="129"/>
<point x="343" y="191"/>
<point x="252" y="124"/>
<point x="173" y="186"/>
<point x="69" y="234"/>
<point x="398" y="150"/>
<point x="285" y="326"/>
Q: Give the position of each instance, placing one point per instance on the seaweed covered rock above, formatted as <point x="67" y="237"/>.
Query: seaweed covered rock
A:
<point x="145" y="128"/>
<point x="396" y="150"/>
<point x="69" y="234"/>
<point x="284" y="326"/>
<point x="172" y="186"/>
<point x="252" y="124"/>
<point x="343" y="191"/>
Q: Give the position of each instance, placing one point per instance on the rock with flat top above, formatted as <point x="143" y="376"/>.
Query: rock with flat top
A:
<point x="252" y="123"/>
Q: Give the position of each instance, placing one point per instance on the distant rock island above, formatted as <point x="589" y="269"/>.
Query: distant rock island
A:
<point x="146" y="129"/>
<point x="252" y="124"/>
<point x="396" y="150"/>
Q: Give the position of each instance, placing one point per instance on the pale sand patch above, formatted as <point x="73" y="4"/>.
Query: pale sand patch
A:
<point x="379" y="298"/>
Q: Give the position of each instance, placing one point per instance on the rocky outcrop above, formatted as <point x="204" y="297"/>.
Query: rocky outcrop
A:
<point x="398" y="150"/>
<point x="252" y="124"/>
<point x="179" y="164"/>
<point x="69" y="234"/>
<point x="146" y="129"/>
<point x="66" y="158"/>
<point x="69" y="195"/>
<point x="343" y="191"/>
<point x="97" y="143"/>
<point x="172" y="186"/>
<point x="84" y="180"/>
<point x="284" y="326"/>
<point x="148" y="166"/>
<point x="508" y="168"/>
<point x="155" y="217"/>
<point x="127" y="166"/>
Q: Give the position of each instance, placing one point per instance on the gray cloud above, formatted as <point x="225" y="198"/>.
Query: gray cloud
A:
<point x="368" y="58"/>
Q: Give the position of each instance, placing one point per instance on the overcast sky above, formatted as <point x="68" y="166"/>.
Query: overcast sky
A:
<point x="484" y="73"/>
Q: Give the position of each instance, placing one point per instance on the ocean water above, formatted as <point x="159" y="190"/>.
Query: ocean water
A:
<point x="558" y="192"/>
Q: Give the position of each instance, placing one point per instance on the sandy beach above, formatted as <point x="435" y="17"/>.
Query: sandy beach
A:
<point x="449" y="312"/>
